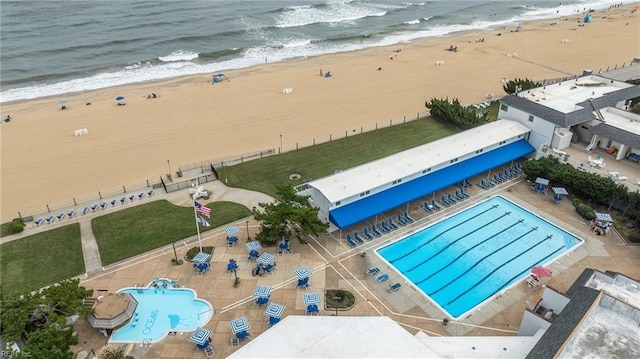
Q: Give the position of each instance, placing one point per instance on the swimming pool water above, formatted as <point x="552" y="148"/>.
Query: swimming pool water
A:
<point x="467" y="258"/>
<point x="161" y="310"/>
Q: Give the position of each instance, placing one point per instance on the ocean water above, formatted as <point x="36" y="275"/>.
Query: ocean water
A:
<point x="56" y="47"/>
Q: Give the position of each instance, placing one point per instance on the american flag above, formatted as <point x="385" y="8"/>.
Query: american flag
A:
<point x="206" y="211"/>
<point x="203" y="222"/>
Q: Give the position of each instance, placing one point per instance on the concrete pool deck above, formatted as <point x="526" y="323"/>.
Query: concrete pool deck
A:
<point x="336" y="265"/>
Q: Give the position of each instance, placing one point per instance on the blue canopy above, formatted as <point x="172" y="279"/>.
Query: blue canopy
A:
<point x="200" y="336"/>
<point x="397" y="196"/>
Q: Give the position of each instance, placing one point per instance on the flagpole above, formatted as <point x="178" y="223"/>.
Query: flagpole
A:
<point x="195" y="216"/>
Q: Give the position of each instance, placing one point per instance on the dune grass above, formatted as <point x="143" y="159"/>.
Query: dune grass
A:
<point x="41" y="259"/>
<point x="127" y="233"/>
<point x="314" y="162"/>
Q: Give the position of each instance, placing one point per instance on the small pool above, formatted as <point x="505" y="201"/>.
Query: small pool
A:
<point x="471" y="256"/>
<point x="162" y="310"/>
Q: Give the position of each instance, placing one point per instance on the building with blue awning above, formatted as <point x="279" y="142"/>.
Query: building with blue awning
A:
<point x="354" y="195"/>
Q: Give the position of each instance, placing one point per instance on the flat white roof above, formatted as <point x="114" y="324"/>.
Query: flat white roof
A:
<point x="335" y="337"/>
<point x="621" y="119"/>
<point x="565" y="95"/>
<point x="481" y="346"/>
<point x="374" y="174"/>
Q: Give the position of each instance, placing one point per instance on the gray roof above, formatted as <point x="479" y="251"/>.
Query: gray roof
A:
<point x="625" y="137"/>
<point x="575" y="117"/>
<point x="582" y="298"/>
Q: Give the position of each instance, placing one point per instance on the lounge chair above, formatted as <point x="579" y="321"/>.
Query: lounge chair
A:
<point x="50" y="219"/>
<point x="467" y="184"/>
<point x="372" y="271"/>
<point x="366" y="234"/>
<point x="394" y="287"/>
<point x="61" y="216"/>
<point x="444" y="201"/>
<point x="123" y="200"/>
<point x="85" y="210"/>
<point x="435" y="205"/>
<point x="71" y="214"/>
<point x="356" y="235"/>
<point x="383" y="226"/>
<point x="382" y="278"/>
<point x="350" y="242"/>
<point x="94" y="208"/>
<point x="113" y="202"/>
<point x="450" y="199"/>
<point x="392" y="224"/>
<point x="103" y="205"/>
<point x="132" y="198"/>
<point x="427" y="207"/>
<point x="375" y="230"/>
<point x="38" y="222"/>
<point x="141" y="195"/>
<point x="407" y="217"/>
<point x="401" y="220"/>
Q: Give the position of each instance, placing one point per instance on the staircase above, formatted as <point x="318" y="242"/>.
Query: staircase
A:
<point x="596" y="109"/>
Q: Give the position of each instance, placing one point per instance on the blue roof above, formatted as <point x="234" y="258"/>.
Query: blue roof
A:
<point x="397" y="196"/>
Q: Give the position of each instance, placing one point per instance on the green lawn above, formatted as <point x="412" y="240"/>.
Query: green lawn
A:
<point x="321" y="160"/>
<point x="42" y="259"/>
<point x="126" y="233"/>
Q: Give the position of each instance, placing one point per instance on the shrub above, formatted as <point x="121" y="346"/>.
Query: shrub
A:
<point x="634" y="236"/>
<point x="195" y="250"/>
<point x="585" y="211"/>
<point x="15" y="226"/>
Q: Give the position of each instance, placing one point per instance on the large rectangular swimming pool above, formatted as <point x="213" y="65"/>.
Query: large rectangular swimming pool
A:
<point x="467" y="258"/>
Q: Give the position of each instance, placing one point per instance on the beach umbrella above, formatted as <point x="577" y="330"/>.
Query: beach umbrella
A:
<point x="541" y="271"/>
<point x="232" y="230"/>
<point x="62" y="102"/>
<point x="119" y="98"/>
<point x="201" y="337"/>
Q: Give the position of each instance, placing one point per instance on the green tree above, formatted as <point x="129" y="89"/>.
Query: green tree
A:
<point x="454" y="113"/>
<point x="15" y="315"/>
<point x="66" y="298"/>
<point x="518" y="85"/>
<point x="110" y="352"/>
<point x="51" y="342"/>
<point x="290" y="211"/>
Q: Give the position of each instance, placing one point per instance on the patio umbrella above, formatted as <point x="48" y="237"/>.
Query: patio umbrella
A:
<point x="311" y="298"/>
<point x="262" y="290"/>
<point x="239" y="325"/>
<point x="265" y="258"/>
<point x="201" y="257"/>
<point x="232" y="230"/>
<point x="274" y="310"/>
<point x="302" y="272"/>
<point x="541" y="271"/>
<point x="200" y="337"/>
<point x="253" y="245"/>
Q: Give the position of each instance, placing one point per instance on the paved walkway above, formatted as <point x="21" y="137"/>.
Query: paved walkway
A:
<point x="92" y="261"/>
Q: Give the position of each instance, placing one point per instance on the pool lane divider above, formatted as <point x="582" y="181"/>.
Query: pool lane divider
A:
<point x="482" y="259"/>
<point x="498" y="268"/>
<point x="454" y="242"/>
<point x="445" y="231"/>
<point x="470" y="249"/>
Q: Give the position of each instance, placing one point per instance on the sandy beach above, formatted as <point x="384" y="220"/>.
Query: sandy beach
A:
<point x="42" y="162"/>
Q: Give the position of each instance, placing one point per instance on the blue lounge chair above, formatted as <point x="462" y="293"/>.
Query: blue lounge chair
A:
<point x="435" y="205"/>
<point x="132" y="198"/>
<point x="50" y="219"/>
<point x="39" y="222"/>
<point x="427" y="207"/>
<point x="103" y="205"/>
<point x="366" y="234"/>
<point x="392" y="224"/>
<point x="61" y="216"/>
<point x="394" y="287"/>
<point x="401" y="220"/>
<point x="123" y="200"/>
<point x="459" y="196"/>
<point x="407" y="217"/>
<point x="356" y="235"/>
<point x="85" y="210"/>
<point x="71" y="214"/>
<point x="467" y="184"/>
<point x="444" y="201"/>
<point x="94" y="208"/>
<point x="382" y="278"/>
<point x="113" y="202"/>
<point x="450" y="199"/>
<point x="383" y="226"/>
<point x="151" y="192"/>
<point x="375" y="230"/>
<point x="350" y="242"/>
<point x="141" y="195"/>
<point x="372" y="271"/>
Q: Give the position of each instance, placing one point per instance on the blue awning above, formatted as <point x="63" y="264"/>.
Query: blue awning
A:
<point x="397" y="196"/>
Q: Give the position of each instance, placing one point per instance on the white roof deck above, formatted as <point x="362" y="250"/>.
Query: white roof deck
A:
<point x="374" y="174"/>
<point x="621" y="119"/>
<point x="565" y="95"/>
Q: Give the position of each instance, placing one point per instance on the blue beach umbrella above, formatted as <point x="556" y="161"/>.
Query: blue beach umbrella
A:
<point x="119" y="98"/>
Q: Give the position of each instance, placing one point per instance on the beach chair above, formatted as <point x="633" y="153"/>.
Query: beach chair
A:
<point x="450" y="199"/>
<point x="113" y="202"/>
<point x="38" y="222"/>
<point x="394" y="287"/>
<point x="444" y="201"/>
<point x="401" y="220"/>
<point x="392" y="224"/>
<point x="372" y="271"/>
<point x="467" y="184"/>
<point x="382" y="278"/>
<point x="132" y="198"/>
<point x="141" y="195"/>
<point x="435" y="205"/>
<point x="103" y="205"/>
<point x="71" y="214"/>
<point x="407" y="217"/>
<point x="366" y="234"/>
<point x="123" y="200"/>
<point x="426" y="207"/>
<point x="150" y="193"/>
<point x="459" y="196"/>
<point x="61" y="216"/>
<point x="94" y="208"/>
<point x="85" y="210"/>
<point x="51" y="219"/>
<point x="357" y="237"/>
<point x="383" y="226"/>
<point x="375" y="230"/>
<point x="350" y="242"/>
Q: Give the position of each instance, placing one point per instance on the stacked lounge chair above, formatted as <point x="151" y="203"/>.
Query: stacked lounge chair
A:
<point x="427" y="207"/>
<point x="435" y="205"/>
<point x="401" y="220"/>
<point x="450" y="199"/>
<point x="444" y="201"/>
